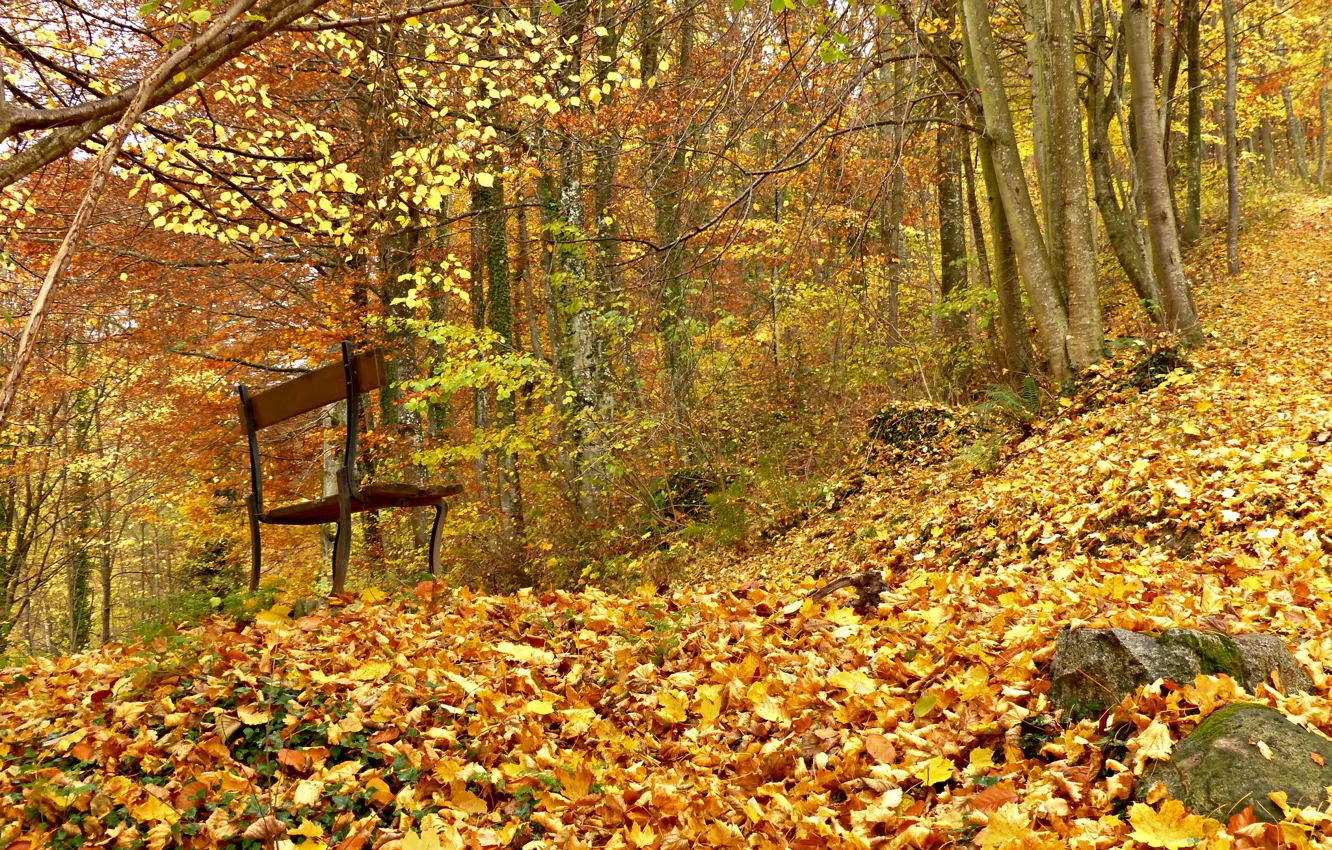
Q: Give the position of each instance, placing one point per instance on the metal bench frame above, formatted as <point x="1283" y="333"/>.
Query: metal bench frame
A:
<point x="353" y="377"/>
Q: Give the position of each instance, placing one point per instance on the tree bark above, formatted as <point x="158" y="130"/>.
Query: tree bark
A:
<point x="1085" y="338"/>
<point x="952" y="230"/>
<point x="1177" y="301"/>
<point x="1294" y="126"/>
<point x="1193" y="146"/>
<point x="1232" y="143"/>
<point x="1322" y="120"/>
<point x="1102" y="106"/>
<point x="1048" y="177"/>
<point x="1033" y="260"/>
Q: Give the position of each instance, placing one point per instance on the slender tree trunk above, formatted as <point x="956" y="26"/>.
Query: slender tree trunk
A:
<point x="1048" y="175"/>
<point x="952" y="229"/>
<point x="1322" y="120"/>
<point x="1018" y="355"/>
<point x="1085" y="339"/>
<point x="499" y="319"/>
<point x="1034" y="262"/>
<point x="1269" y="149"/>
<point x="1193" y="147"/>
<point x="1169" y="269"/>
<point x="1232" y="143"/>
<point x="1294" y="126"/>
<point x="1102" y="107"/>
<point x="673" y="314"/>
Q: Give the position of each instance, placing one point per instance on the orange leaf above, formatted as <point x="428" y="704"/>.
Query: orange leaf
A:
<point x="294" y="759"/>
<point x="881" y="748"/>
<point x="993" y="797"/>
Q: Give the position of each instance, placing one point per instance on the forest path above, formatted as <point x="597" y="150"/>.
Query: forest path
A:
<point x="1199" y="467"/>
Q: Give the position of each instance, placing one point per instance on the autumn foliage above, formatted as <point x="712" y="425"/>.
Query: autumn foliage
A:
<point x="732" y="711"/>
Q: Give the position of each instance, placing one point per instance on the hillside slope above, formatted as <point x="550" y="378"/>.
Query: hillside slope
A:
<point x="729" y="711"/>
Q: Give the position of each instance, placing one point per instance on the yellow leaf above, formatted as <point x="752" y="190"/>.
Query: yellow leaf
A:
<point x="523" y="652"/>
<point x="1171" y="828"/>
<point x="371" y="670"/>
<point x="981" y="758"/>
<point x="642" y="836"/>
<point x="708" y="703"/>
<point x="1007" y="824"/>
<point x="772" y="709"/>
<point x="309" y="829"/>
<point x="539" y="706"/>
<point x="937" y="769"/>
<point x="426" y="839"/>
<point x="276" y="616"/>
<point x="465" y="801"/>
<point x="371" y="595"/>
<point x="975" y="684"/>
<point x="1154" y="742"/>
<point x="1190" y="429"/>
<point x="252" y="716"/>
<point x="853" y="681"/>
<point x="484" y="179"/>
<point x="925" y="705"/>
<point x="308" y="792"/>
<point x="153" y="810"/>
<point x="671" y="707"/>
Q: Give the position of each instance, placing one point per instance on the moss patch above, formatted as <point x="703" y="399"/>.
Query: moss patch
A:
<point x="1216" y="653"/>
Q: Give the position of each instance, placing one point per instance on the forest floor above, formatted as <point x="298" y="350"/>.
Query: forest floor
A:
<point x="729" y="710"/>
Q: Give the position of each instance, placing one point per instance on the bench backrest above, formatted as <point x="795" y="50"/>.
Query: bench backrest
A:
<point x="354" y="375"/>
<point x="313" y="390"/>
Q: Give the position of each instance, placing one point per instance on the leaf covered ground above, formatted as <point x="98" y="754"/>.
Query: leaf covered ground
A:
<point x="730" y="712"/>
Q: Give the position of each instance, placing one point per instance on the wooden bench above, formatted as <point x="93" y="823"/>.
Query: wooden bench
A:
<point x="356" y="375"/>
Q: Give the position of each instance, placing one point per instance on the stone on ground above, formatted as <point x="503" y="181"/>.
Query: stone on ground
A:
<point x="1094" y="669"/>
<point x="1237" y="757"/>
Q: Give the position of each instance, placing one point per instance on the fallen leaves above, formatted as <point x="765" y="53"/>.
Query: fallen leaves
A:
<point x="1171" y="827"/>
<point x="740" y="712"/>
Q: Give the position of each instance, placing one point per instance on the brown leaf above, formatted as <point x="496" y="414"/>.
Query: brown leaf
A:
<point x="294" y="759"/>
<point x="1317" y="759"/>
<point x="265" y="829"/>
<point x="881" y="748"/>
<point x="355" y="840"/>
<point x="992" y="798"/>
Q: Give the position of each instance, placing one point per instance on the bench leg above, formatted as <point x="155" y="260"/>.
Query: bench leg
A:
<point x="255" y="548"/>
<point x="342" y="543"/>
<point x="441" y="511"/>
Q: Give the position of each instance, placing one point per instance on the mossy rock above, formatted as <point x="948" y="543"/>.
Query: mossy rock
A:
<point x="1219" y="770"/>
<point x="920" y="432"/>
<point x="1094" y="669"/>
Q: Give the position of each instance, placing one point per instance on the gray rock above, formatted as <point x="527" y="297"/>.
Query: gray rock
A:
<point x="1094" y="669"/>
<point x="304" y="607"/>
<point x="1219" y="769"/>
<point x="1261" y="654"/>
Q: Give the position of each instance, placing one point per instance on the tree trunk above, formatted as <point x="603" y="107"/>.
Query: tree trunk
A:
<point x="1193" y="147"/>
<point x="1169" y="269"/>
<point x="952" y="230"/>
<point x="1232" y="143"/>
<point x="1034" y="262"/>
<point x="1294" y="126"/>
<point x="1269" y="149"/>
<point x="1085" y="339"/>
<point x="1048" y="176"/>
<point x="1102" y="106"/>
<point x="1322" y="120"/>
<point x="672" y="311"/>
